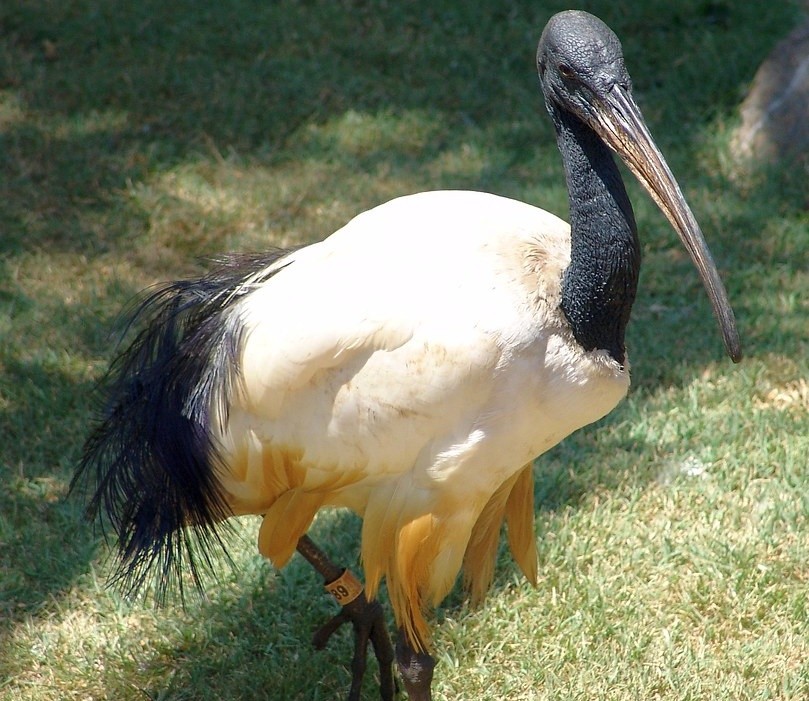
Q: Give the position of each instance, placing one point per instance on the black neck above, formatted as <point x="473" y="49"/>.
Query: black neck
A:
<point x="598" y="287"/>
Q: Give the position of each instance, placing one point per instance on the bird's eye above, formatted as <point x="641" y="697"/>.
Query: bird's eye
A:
<point x="566" y="71"/>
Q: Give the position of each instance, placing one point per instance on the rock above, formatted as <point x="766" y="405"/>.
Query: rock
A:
<point x="775" y="113"/>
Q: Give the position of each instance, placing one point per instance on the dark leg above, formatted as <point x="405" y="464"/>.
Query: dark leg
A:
<point x="366" y="617"/>
<point x="416" y="669"/>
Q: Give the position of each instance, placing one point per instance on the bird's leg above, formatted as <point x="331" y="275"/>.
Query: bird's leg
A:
<point x="416" y="669"/>
<point x="366" y="617"/>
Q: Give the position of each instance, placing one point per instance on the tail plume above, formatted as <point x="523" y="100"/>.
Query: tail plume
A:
<point x="150" y="463"/>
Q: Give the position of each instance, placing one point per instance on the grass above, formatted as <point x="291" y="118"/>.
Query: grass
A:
<point x="138" y="137"/>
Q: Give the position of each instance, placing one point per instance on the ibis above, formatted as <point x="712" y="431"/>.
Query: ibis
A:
<point x="409" y="367"/>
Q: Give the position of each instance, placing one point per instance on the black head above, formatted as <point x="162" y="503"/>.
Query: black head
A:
<point x="582" y="73"/>
<point x="579" y="59"/>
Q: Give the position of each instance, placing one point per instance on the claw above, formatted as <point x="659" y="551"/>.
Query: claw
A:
<point x="367" y="619"/>
<point x="321" y="637"/>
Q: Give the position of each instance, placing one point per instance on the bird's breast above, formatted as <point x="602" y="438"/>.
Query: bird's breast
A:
<point x="448" y="361"/>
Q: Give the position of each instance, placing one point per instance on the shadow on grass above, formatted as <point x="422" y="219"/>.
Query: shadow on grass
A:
<point x="45" y="542"/>
<point x="46" y="400"/>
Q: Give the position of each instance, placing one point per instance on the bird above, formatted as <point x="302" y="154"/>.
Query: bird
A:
<point x="409" y="367"/>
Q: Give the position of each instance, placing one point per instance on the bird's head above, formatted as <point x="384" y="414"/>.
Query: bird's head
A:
<point x="582" y="73"/>
<point x="580" y="61"/>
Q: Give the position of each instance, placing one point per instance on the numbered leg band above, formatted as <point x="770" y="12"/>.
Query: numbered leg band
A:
<point x="345" y="588"/>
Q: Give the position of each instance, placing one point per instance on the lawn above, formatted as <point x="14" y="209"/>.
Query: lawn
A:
<point x="137" y="138"/>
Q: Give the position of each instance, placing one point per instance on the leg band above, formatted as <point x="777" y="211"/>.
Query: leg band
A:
<point x="345" y="588"/>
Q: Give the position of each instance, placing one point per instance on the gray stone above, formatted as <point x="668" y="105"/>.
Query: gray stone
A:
<point x="775" y="113"/>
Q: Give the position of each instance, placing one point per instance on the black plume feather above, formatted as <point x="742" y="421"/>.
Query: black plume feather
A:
<point x="151" y="461"/>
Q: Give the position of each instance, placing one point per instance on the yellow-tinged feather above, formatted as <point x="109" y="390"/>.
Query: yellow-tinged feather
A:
<point x="284" y="524"/>
<point x="398" y="544"/>
<point x="514" y="503"/>
<point x="413" y="538"/>
<point x="481" y="552"/>
<point x="417" y="545"/>
<point x="520" y="524"/>
<point x="378" y="535"/>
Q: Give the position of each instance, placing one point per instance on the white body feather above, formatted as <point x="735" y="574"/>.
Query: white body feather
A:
<point x="406" y="367"/>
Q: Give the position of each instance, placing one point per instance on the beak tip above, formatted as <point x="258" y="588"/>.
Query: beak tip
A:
<point x="727" y="325"/>
<point x="733" y="345"/>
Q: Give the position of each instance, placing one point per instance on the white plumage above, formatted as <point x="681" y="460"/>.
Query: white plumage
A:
<point x="408" y="366"/>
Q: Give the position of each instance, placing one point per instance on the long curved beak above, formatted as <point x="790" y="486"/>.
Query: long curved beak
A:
<point x="618" y="121"/>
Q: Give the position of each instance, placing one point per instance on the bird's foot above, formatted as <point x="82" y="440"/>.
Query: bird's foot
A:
<point x="368" y="621"/>
<point x="416" y="669"/>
